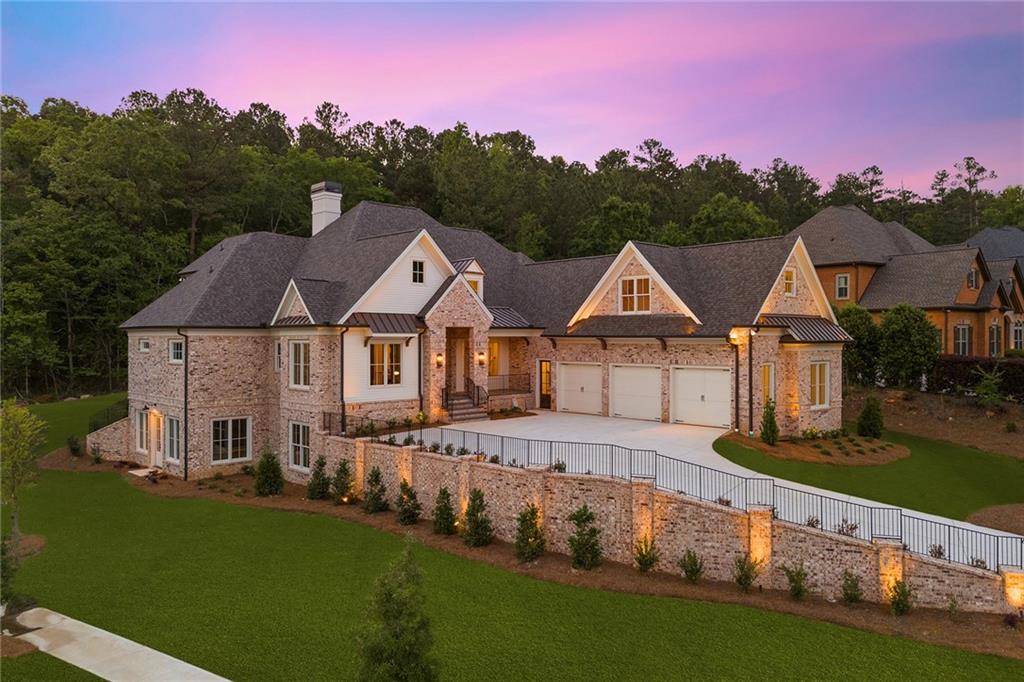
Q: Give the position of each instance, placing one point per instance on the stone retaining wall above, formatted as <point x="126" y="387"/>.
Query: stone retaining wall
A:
<point x="111" y="440"/>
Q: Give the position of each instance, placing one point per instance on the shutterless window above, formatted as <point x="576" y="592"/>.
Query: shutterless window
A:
<point x="172" y="429"/>
<point x="972" y="279"/>
<point x="1018" y="336"/>
<point x="385" y="364"/>
<point x="143" y="345"/>
<point x="300" y="363"/>
<point x="142" y="430"/>
<point x="993" y="340"/>
<point x="176" y="351"/>
<point x="962" y="339"/>
<point x="299" y="445"/>
<point x="819" y="384"/>
<point x="230" y="439"/>
<point x="789" y="282"/>
<point x="768" y="380"/>
<point x="278" y="356"/>
<point x="635" y="294"/>
<point x="418" y="273"/>
<point x="842" y="286"/>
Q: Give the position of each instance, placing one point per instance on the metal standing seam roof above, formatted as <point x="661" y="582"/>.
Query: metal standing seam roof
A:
<point x="386" y="323"/>
<point x="808" y="329"/>
<point x="292" y="321"/>
<point x="507" y="318"/>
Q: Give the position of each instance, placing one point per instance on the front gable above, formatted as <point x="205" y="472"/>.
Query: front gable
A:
<point x="292" y="307"/>
<point x="457" y="306"/>
<point x="805" y="296"/>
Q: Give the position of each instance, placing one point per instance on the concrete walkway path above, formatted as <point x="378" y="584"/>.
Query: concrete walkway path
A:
<point x="103" y="653"/>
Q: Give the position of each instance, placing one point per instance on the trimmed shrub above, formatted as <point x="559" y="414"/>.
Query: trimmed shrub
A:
<point x="408" y="506"/>
<point x="529" y="535"/>
<point x="937" y="551"/>
<point x="74" y="446"/>
<point x="341" y="484"/>
<point x="952" y="373"/>
<point x="901" y="597"/>
<point x="375" y="499"/>
<point x="745" y="571"/>
<point x="909" y="345"/>
<point x="769" y="426"/>
<point x="269" y="478"/>
<point x="692" y="566"/>
<point x="797" y="579"/>
<point x="852" y="593"/>
<point x="870" y="424"/>
<point x="646" y="554"/>
<point x="444" y="513"/>
<point x="319" y="486"/>
<point x="479" y="531"/>
<point x="584" y="545"/>
<point x="97" y="455"/>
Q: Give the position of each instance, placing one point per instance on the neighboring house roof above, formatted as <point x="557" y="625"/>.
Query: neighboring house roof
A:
<point x="807" y="328"/>
<point x="386" y="323"/>
<point x="926" y="280"/>
<point x="845" y="234"/>
<point x="1000" y="243"/>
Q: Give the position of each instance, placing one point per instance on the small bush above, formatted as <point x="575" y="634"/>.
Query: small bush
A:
<point x="494" y="459"/>
<point x="646" y="554"/>
<point x="74" y="446"/>
<point x="852" y="592"/>
<point x="813" y="522"/>
<point x="953" y="607"/>
<point x="421" y="418"/>
<point x="269" y="479"/>
<point x="444" y="513"/>
<point x="724" y="501"/>
<point x="870" y="422"/>
<point x="435" y="447"/>
<point x="392" y="440"/>
<point x="769" y="426"/>
<point x="462" y="452"/>
<point x="745" y="571"/>
<point x="692" y="566"/>
<point x="391" y="424"/>
<point x="409" y="440"/>
<point x="847" y="528"/>
<point x="408" y="506"/>
<point x="584" y="545"/>
<point x="1012" y="620"/>
<point x="319" y="486"/>
<point x="987" y="392"/>
<point x="248" y="470"/>
<point x="219" y="476"/>
<point x="901" y="597"/>
<point x="375" y="499"/>
<point x="978" y="562"/>
<point x="1011" y="427"/>
<point x="449" y="450"/>
<point x="558" y="467"/>
<point x="341" y="484"/>
<point x="407" y="423"/>
<point x="529" y="535"/>
<point x="797" y="579"/>
<point x="97" y="455"/>
<point x="937" y="551"/>
<point x="479" y="531"/>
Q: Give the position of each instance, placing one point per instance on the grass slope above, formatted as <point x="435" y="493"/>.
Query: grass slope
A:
<point x="939" y="477"/>
<point x="39" y="667"/>
<point x="70" y="417"/>
<point x="261" y="594"/>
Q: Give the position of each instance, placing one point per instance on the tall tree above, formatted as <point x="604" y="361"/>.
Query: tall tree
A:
<point x="727" y="218"/>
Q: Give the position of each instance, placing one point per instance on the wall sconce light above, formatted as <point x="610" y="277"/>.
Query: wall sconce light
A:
<point x="439" y="360"/>
<point x="481" y="358"/>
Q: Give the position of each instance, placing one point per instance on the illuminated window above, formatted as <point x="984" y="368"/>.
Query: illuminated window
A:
<point x="768" y="380"/>
<point x="493" y="364"/>
<point x="842" y="286"/>
<point x="789" y="281"/>
<point x="142" y="431"/>
<point x="635" y="295"/>
<point x="385" y="364"/>
<point x="819" y="384"/>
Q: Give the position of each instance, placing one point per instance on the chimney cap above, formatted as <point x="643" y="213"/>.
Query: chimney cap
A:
<point x="326" y="186"/>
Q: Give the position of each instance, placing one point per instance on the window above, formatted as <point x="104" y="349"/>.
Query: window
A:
<point x="143" y="345"/>
<point x="1018" y="336"/>
<point x="474" y="284"/>
<point x="962" y="339"/>
<point x="385" y="364"/>
<point x="298" y="445"/>
<point x="231" y="439"/>
<point x="972" y="279"/>
<point x="300" y="364"/>
<point x="768" y="380"/>
<point x="819" y="384"/>
<point x="789" y="281"/>
<point x="278" y="356"/>
<point x="142" y="431"/>
<point x="493" y="358"/>
<point x="176" y="351"/>
<point x="994" y="340"/>
<point x="172" y="430"/>
<point x="635" y="295"/>
<point x="842" y="286"/>
<point x="418" y="273"/>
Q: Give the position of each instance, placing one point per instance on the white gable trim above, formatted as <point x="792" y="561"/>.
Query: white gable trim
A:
<point x="422" y="237"/>
<point x="460" y="278"/>
<point x="474" y="267"/>
<point x="612" y="274"/>
<point x="291" y="292"/>
<point x="806" y="267"/>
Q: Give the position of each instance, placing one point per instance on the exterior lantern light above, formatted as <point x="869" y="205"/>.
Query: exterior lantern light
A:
<point x="439" y="360"/>
<point x="481" y="358"/>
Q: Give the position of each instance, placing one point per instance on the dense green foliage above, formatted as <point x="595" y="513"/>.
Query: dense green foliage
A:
<point x="21" y="435"/>
<point x="8" y="568"/>
<point x="692" y="566"/>
<point x="530" y="541"/>
<point x="852" y="592"/>
<point x="745" y="571"/>
<point x="584" y="543"/>
<point x="900" y="596"/>
<point x="101" y="211"/>
<point x="375" y="496"/>
<point x="408" y="506"/>
<point x="444" y="513"/>
<point x="341" y="483"/>
<point x="269" y="477"/>
<point x="870" y="423"/>
<point x="909" y="345"/>
<point x="769" y="425"/>
<point x="479" y="530"/>
<point x="319" y="485"/>
<point x="860" y="356"/>
<point x="646" y="554"/>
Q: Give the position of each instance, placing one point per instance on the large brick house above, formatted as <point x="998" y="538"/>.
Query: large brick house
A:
<point x="973" y="296"/>
<point x="274" y="340"/>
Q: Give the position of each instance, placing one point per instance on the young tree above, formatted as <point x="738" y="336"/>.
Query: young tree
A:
<point x="479" y="531"/>
<point x="860" y="356"/>
<point x="22" y="436"/>
<point x="395" y="643"/>
<point x="319" y="486"/>
<point x="909" y="345"/>
<point x="584" y="543"/>
<point x="529" y="535"/>
<point x="444" y="513"/>
<point x="769" y="426"/>
<point x="870" y="424"/>
<point x="269" y="478"/>
<point x="341" y="483"/>
<point x="375" y="497"/>
<point x="408" y="506"/>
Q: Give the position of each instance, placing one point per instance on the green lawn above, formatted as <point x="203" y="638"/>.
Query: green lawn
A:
<point x="939" y="477"/>
<point x="40" y="667"/>
<point x="70" y="417"/>
<point x="260" y="594"/>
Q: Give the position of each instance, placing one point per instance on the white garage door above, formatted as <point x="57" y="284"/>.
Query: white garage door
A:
<point x="700" y="396"/>
<point x="635" y="392"/>
<point x="579" y="388"/>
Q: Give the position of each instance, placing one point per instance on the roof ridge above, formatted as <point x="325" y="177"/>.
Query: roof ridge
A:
<point x="563" y="260"/>
<point x="935" y="252"/>
<point x="386" y="234"/>
<point x="727" y="241"/>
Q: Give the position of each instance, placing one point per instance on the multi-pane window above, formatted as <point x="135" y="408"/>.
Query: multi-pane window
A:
<point x="143" y="345"/>
<point x="789" y="281"/>
<point x="768" y="380"/>
<point x="298" y="445"/>
<point x="972" y="279"/>
<point x="172" y="430"/>
<point x="418" y="273"/>
<point x="635" y="294"/>
<point x="819" y="384"/>
<point x="142" y="430"/>
<point x="176" y="351"/>
<point x="231" y="439"/>
<point x="962" y="339"/>
<point x="300" y="364"/>
<point x="994" y="339"/>
<point x="385" y="364"/>
<point x="278" y="356"/>
<point x="1018" y="336"/>
<point x="842" y="286"/>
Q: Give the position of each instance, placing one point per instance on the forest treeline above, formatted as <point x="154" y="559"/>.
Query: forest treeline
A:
<point x="100" y="211"/>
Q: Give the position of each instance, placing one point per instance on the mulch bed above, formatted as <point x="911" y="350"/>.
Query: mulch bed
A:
<point x="498" y="414"/>
<point x="844" y="451"/>
<point x="978" y="632"/>
<point x="950" y="418"/>
<point x="1008" y="517"/>
<point x="12" y="647"/>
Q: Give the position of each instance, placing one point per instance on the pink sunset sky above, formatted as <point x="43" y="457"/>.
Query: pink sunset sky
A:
<point x="834" y="87"/>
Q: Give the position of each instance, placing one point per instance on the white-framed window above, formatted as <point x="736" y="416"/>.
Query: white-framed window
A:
<point x="175" y="351"/>
<point x="300" y="364"/>
<point x="418" y="272"/>
<point x="231" y="439"/>
<point x="819" y="384"/>
<point x="476" y="284"/>
<point x="768" y="380"/>
<point x="143" y="345"/>
<point x="635" y="295"/>
<point x="142" y="431"/>
<point x="789" y="281"/>
<point x="972" y="278"/>
<point x="172" y="433"/>
<point x="279" y="356"/>
<point x="842" y="286"/>
<point x="298" y="445"/>
<point x="1018" y="336"/>
<point x="994" y="339"/>
<point x="962" y="339"/>
<point x="385" y="364"/>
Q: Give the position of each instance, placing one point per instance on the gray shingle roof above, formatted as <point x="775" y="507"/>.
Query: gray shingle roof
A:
<point x="924" y="280"/>
<point x="846" y="234"/>
<point x="1000" y="243"/>
<point x="665" y="325"/>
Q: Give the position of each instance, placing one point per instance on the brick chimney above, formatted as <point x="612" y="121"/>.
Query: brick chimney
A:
<point x="326" y="197"/>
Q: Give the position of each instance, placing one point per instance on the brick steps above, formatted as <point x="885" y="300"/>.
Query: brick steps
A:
<point x="463" y="410"/>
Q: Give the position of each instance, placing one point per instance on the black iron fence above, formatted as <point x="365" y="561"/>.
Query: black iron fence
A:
<point x="108" y="415"/>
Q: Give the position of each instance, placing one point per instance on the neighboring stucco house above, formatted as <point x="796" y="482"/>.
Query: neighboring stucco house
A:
<point x="273" y="340"/>
<point x="975" y="302"/>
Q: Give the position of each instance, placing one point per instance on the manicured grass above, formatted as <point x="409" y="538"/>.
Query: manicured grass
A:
<point x="71" y="417"/>
<point x="39" y="666"/>
<point x="939" y="477"/>
<point x="259" y="594"/>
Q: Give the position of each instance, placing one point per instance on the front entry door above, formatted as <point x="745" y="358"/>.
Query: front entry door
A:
<point x="157" y="440"/>
<point x="544" y="370"/>
<point x="460" y="366"/>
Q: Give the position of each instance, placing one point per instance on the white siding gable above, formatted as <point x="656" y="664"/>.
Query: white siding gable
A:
<point x="396" y="292"/>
